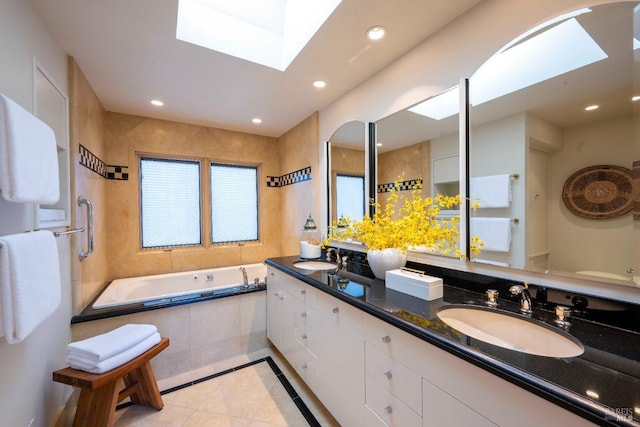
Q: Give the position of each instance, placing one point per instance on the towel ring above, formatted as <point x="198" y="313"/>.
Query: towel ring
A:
<point x="83" y="201"/>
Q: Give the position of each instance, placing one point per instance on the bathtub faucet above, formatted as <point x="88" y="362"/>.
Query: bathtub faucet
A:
<point x="245" y="279"/>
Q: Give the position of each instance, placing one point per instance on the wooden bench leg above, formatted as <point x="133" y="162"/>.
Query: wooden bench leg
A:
<point x="147" y="393"/>
<point x="97" y="407"/>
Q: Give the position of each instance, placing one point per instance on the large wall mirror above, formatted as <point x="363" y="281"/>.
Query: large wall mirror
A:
<point x="554" y="138"/>
<point x="346" y="151"/>
<point x="421" y="145"/>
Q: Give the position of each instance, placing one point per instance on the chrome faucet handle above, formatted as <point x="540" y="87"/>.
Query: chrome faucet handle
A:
<point x="335" y="252"/>
<point x="564" y="314"/>
<point x="492" y="296"/>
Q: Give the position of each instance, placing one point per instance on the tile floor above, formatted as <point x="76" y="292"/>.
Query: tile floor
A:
<point x="251" y="395"/>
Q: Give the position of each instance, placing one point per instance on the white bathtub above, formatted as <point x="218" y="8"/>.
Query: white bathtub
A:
<point x="175" y="287"/>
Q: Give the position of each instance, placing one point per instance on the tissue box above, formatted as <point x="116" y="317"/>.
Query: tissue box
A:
<point x="415" y="284"/>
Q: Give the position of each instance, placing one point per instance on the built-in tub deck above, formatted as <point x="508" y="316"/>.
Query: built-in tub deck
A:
<point x="133" y="295"/>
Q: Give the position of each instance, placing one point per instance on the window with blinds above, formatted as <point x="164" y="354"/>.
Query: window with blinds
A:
<point x="170" y="202"/>
<point x="350" y="196"/>
<point x="234" y="203"/>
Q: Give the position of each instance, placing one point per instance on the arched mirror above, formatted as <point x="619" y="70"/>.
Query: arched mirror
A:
<point x="554" y="147"/>
<point x="347" y="173"/>
<point x="421" y="145"/>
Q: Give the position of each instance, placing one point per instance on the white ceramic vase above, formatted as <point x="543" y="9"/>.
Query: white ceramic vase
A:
<point x="383" y="260"/>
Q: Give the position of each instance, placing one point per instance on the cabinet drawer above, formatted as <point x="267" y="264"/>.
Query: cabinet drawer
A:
<point x="401" y="381"/>
<point x="371" y="419"/>
<point x="443" y="410"/>
<point x="394" y="343"/>
<point x="388" y="407"/>
<point x="306" y="365"/>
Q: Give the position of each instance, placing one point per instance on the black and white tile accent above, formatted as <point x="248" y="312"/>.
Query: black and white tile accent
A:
<point x="290" y="178"/>
<point x="93" y="162"/>
<point x="402" y="185"/>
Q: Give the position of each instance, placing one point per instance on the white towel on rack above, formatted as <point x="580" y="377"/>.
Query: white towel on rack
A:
<point x="116" y="360"/>
<point x="104" y="346"/>
<point x="28" y="156"/>
<point x="494" y="232"/>
<point x="29" y="282"/>
<point x="492" y="191"/>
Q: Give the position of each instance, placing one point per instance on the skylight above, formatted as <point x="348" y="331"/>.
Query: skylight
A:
<point x="267" y="32"/>
<point x="564" y="47"/>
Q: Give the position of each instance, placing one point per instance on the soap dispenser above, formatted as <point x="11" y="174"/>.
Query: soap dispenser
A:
<point x="309" y="240"/>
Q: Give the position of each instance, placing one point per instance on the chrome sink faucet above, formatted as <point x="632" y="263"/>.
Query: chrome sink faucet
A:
<point x="245" y="279"/>
<point x="525" y="297"/>
<point x="335" y="252"/>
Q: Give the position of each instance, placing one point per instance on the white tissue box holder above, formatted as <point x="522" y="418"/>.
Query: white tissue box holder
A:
<point x="418" y="285"/>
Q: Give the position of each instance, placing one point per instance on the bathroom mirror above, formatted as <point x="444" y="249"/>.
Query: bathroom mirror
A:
<point x="421" y="144"/>
<point x="347" y="176"/>
<point x="554" y="116"/>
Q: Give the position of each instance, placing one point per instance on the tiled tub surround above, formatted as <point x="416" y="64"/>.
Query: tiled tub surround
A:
<point x="609" y="367"/>
<point x="214" y="331"/>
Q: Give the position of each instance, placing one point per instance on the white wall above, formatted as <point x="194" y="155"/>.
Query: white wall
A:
<point x="586" y="244"/>
<point x="27" y="391"/>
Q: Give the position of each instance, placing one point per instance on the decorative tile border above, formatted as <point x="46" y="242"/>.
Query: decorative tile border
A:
<point x="290" y="178"/>
<point x="293" y="394"/>
<point x="402" y="185"/>
<point x="93" y="162"/>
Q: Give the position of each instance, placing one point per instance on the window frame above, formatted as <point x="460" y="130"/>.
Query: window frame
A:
<point x="202" y="202"/>
<point x="256" y="167"/>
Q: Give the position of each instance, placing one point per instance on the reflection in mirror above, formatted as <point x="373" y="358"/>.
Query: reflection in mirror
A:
<point x="347" y="172"/>
<point x="570" y="209"/>
<point x="420" y="145"/>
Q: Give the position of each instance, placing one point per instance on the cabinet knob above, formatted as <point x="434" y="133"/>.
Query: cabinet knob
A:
<point x="281" y="297"/>
<point x="303" y="292"/>
<point x="276" y="294"/>
<point x="273" y="274"/>
<point x="303" y="314"/>
<point x="304" y="336"/>
<point x="386" y="339"/>
<point x="304" y="365"/>
<point x="336" y="309"/>
<point x="388" y="409"/>
<point x="388" y="374"/>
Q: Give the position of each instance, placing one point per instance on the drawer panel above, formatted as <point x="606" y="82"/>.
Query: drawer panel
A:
<point x="401" y="381"/>
<point x="371" y="419"/>
<point x="389" y="408"/>
<point x="306" y="365"/>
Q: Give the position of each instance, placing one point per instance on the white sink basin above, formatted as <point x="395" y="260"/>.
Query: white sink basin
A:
<point x="511" y="331"/>
<point x="314" y="265"/>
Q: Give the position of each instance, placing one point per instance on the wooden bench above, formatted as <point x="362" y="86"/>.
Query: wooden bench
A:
<point x="100" y="393"/>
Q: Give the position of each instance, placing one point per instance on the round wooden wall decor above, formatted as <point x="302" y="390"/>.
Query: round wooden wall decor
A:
<point x="599" y="192"/>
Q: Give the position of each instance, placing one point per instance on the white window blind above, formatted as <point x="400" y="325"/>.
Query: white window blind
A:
<point x="350" y="196"/>
<point x="234" y="203"/>
<point x="170" y="202"/>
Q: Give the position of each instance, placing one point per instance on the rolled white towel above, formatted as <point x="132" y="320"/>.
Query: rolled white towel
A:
<point x="109" y="344"/>
<point x="117" y="360"/>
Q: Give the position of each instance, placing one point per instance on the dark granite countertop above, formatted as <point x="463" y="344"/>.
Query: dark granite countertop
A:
<point x="601" y="385"/>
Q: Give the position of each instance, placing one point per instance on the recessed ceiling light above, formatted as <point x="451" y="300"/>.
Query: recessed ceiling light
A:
<point x="635" y="98"/>
<point x="319" y="84"/>
<point x="257" y="120"/>
<point x="376" y="33"/>
<point x="157" y="102"/>
<point x="592" y="107"/>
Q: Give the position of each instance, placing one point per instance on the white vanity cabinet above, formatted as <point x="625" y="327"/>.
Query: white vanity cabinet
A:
<point x="368" y="372"/>
<point x="287" y="311"/>
<point x="341" y="355"/>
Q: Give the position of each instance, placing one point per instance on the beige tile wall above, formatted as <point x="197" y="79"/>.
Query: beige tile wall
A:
<point x="408" y="163"/>
<point x="86" y="126"/>
<point x="118" y="139"/>
<point x="299" y="149"/>
<point x="129" y="136"/>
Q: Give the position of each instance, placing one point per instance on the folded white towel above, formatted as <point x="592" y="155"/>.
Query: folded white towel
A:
<point x="495" y="233"/>
<point x="491" y="191"/>
<point x="28" y="156"/>
<point x="104" y="346"/>
<point x="116" y="360"/>
<point x="29" y="282"/>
